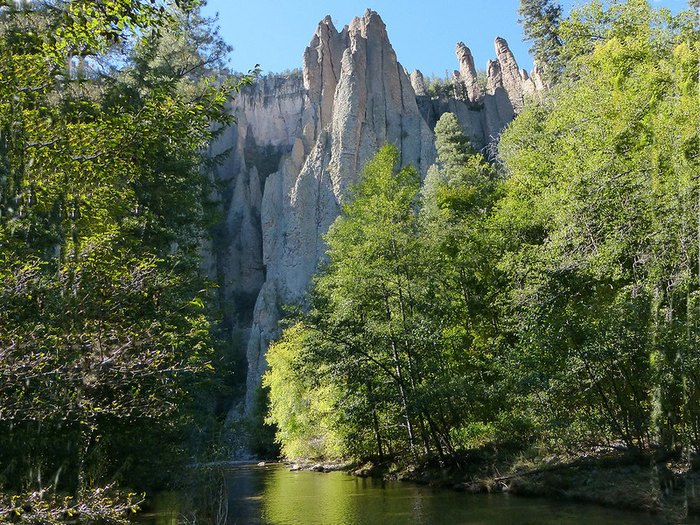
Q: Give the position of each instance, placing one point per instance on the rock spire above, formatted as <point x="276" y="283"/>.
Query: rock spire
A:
<point x="299" y="144"/>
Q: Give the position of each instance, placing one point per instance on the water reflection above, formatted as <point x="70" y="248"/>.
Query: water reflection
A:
<point x="272" y="495"/>
<point x="168" y="507"/>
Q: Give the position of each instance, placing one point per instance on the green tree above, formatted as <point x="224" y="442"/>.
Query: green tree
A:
<point x="541" y="20"/>
<point x="459" y="192"/>
<point x="461" y="182"/>
<point x="302" y="404"/>
<point x="369" y="340"/>
<point x="104" y="332"/>
<point x="600" y="208"/>
<point x="368" y="288"/>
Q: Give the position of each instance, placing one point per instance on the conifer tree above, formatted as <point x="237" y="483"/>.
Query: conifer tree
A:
<point x="540" y="20"/>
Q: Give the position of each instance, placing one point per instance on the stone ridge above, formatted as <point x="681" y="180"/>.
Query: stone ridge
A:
<point x="298" y="147"/>
<point x="358" y="98"/>
<point x="485" y="110"/>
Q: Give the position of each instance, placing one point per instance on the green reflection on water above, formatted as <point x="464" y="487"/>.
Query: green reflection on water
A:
<point x="310" y="498"/>
<point x="167" y="505"/>
<point x="272" y="495"/>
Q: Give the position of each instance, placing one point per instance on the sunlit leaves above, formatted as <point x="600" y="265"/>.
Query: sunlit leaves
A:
<point x="598" y="172"/>
<point x="104" y="322"/>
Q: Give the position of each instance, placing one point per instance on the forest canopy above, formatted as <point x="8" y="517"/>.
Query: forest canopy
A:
<point x="540" y="295"/>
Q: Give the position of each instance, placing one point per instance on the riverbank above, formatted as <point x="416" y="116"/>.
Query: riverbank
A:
<point x="612" y="478"/>
<point x="272" y="494"/>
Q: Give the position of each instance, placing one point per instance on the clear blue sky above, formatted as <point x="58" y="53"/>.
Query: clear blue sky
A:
<point x="274" y="33"/>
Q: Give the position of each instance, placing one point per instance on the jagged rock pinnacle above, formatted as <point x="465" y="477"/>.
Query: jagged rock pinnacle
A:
<point x="304" y="139"/>
<point x="494" y="78"/>
<point x="510" y="74"/>
<point x="467" y="72"/>
<point x="418" y="83"/>
<point x="358" y="98"/>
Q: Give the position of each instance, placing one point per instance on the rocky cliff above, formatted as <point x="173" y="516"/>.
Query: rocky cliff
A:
<point x="484" y="106"/>
<point x="298" y="146"/>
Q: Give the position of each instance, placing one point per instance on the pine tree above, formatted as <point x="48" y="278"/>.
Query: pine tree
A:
<point x="540" y="20"/>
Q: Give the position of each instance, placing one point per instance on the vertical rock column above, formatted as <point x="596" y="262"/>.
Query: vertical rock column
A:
<point x="360" y="98"/>
<point x="300" y="144"/>
<point x="467" y="73"/>
<point x="510" y="75"/>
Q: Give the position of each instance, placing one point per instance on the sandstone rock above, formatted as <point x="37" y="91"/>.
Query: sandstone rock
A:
<point x="300" y="144"/>
<point x="459" y="90"/>
<point x="321" y="72"/>
<point x="264" y="110"/>
<point x="510" y="74"/>
<point x="498" y="109"/>
<point x="359" y="98"/>
<point x="494" y="77"/>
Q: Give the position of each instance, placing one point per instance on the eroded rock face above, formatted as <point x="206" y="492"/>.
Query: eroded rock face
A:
<point x="418" y="84"/>
<point x="299" y="145"/>
<point x="321" y="74"/>
<point x="510" y="74"/>
<point x="355" y="98"/>
<point x="467" y="73"/>
<point x="497" y="102"/>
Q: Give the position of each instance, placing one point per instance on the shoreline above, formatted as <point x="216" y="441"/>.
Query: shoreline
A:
<point x="617" y="479"/>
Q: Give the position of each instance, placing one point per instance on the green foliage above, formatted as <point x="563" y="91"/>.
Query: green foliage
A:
<point x="541" y="21"/>
<point x="105" y="332"/>
<point x="598" y="22"/>
<point x="376" y="335"/>
<point x="601" y="212"/>
<point x="554" y="304"/>
<point x="105" y="506"/>
<point x="440" y="87"/>
<point x="300" y="407"/>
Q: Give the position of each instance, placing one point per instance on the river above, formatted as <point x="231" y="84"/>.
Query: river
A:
<point x="273" y="495"/>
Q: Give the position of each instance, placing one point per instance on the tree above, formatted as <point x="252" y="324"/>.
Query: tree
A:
<point x="601" y="205"/>
<point x="461" y="180"/>
<point x="369" y="286"/>
<point x="369" y="342"/>
<point x="302" y="405"/>
<point x="459" y="192"/>
<point x="541" y="21"/>
<point x="104" y="326"/>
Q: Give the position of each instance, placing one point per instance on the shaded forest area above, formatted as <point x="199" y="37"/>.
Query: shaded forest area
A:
<point x="109" y="351"/>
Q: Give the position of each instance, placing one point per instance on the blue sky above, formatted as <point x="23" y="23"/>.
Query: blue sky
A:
<point x="274" y="33"/>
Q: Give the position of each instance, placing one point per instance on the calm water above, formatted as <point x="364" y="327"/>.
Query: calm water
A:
<point x="272" y="495"/>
